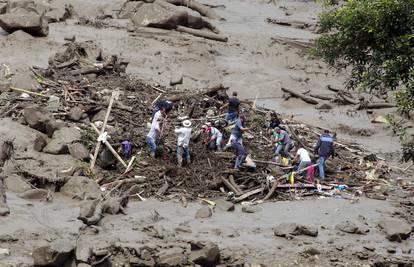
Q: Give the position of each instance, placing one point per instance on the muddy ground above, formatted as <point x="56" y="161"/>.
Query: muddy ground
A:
<point x="257" y="61"/>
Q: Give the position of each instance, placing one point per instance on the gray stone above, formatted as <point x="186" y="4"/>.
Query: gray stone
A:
<point x="39" y="143"/>
<point x="75" y="114"/>
<point x="204" y="212"/>
<point x="207" y="255"/>
<point x="176" y="78"/>
<point x="37" y="118"/>
<point x="78" y="151"/>
<point x="159" y="15"/>
<point x="288" y="230"/>
<point x="29" y="22"/>
<point x="224" y="205"/>
<point x="311" y="251"/>
<point x="83" y="251"/>
<point x="391" y="250"/>
<point x="38" y="194"/>
<point x="54" y="254"/>
<point x="87" y="208"/>
<point x="15" y="183"/>
<point x="250" y="209"/>
<point x="323" y="106"/>
<point x="82" y="188"/>
<point x="54" y="125"/>
<point x="172" y="257"/>
<point x="395" y="230"/>
<point x="57" y="15"/>
<point x="352" y="228"/>
<point x="61" y="139"/>
<point x="100" y="116"/>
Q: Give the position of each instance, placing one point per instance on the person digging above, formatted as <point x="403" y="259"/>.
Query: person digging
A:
<point x="213" y="138"/>
<point x="283" y="143"/>
<point x="183" y="141"/>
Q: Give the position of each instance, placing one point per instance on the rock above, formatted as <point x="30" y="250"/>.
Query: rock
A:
<point x="29" y="22"/>
<point x="87" y="208"/>
<point x="83" y="251"/>
<point x="391" y="250"/>
<point x="290" y="229"/>
<point x="204" y="212"/>
<point x="113" y="205"/>
<point x="54" y="254"/>
<point x="37" y="118"/>
<point x="176" y="78"/>
<point x="83" y="265"/>
<point x="57" y="15"/>
<point x="323" y="106"/>
<point x="250" y="209"/>
<point x="82" y="188"/>
<point x="61" y="139"/>
<point x="207" y="255"/>
<point x="75" y="114"/>
<point x="172" y="257"/>
<point x="159" y="15"/>
<point x="4" y="252"/>
<point x="54" y="125"/>
<point x="78" y="151"/>
<point x="100" y="116"/>
<point x="4" y="209"/>
<point x="311" y="251"/>
<point x="39" y="143"/>
<point x="17" y="184"/>
<point x="4" y="86"/>
<point x="38" y="194"/>
<point x="141" y="262"/>
<point x="352" y="228"/>
<point x="106" y="159"/>
<point x="3" y="8"/>
<point x="395" y="230"/>
<point x="224" y="205"/>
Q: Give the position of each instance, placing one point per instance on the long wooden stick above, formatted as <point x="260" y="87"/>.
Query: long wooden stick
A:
<point x="248" y="194"/>
<point x="27" y="91"/>
<point x="98" y="145"/>
<point x="109" y="146"/>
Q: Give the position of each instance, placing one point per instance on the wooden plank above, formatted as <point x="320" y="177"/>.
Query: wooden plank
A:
<point x="248" y="194"/>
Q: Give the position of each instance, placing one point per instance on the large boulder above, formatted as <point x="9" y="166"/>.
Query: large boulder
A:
<point x="55" y="254"/>
<point x="395" y="230"/>
<point x="32" y="23"/>
<point x="61" y="139"/>
<point x="172" y="257"/>
<point x="159" y="15"/>
<point x="82" y="188"/>
<point x="288" y="230"/>
<point x="352" y="228"/>
<point x="38" y="194"/>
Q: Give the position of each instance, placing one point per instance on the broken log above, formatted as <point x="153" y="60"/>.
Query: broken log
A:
<point x="231" y="187"/>
<point x="322" y="97"/>
<point x="330" y="87"/>
<point x="248" y="194"/>
<point x="236" y="186"/>
<point x="161" y="191"/>
<point x="305" y="98"/>
<point x="204" y="34"/>
<point x="348" y="99"/>
<point x="375" y="105"/>
<point x="200" y="8"/>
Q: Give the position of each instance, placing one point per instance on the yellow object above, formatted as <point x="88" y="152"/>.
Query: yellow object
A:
<point x="292" y="177"/>
<point x="284" y="161"/>
<point x="209" y="202"/>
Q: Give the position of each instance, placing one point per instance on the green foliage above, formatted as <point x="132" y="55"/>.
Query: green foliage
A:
<point x="374" y="39"/>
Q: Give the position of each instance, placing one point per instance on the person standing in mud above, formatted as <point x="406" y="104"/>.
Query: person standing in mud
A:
<point x="233" y="104"/>
<point x="162" y="104"/>
<point x="282" y="141"/>
<point x="183" y="142"/>
<point x="237" y="132"/>
<point x="241" y="154"/>
<point x="324" y="148"/>
<point x="213" y="138"/>
<point x="155" y="132"/>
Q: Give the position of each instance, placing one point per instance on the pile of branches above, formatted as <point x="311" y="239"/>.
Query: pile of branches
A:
<point x="210" y="173"/>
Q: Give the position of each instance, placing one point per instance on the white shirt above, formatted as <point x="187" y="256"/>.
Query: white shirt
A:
<point x="215" y="133"/>
<point x="155" y="125"/>
<point x="184" y="136"/>
<point x="303" y="154"/>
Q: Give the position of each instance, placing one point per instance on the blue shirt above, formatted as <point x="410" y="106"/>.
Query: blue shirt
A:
<point x="237" y="129"/>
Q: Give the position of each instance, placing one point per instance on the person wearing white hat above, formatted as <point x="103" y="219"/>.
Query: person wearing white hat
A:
<point x="183" y="141"/>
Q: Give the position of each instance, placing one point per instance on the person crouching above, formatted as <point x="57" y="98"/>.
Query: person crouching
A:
<point x="183" y="141"/>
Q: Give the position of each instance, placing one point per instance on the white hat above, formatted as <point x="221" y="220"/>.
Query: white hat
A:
<point x="187" y="123"/>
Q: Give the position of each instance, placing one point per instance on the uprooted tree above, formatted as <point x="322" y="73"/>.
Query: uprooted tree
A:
<point x="375" y="40"/>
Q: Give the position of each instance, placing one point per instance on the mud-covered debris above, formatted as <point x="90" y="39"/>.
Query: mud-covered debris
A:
<point x="56" y="254"/>
<point x="311" y="251"/>
<point x="171" y="257"/>
<point x="395" y="229"/>
<point x="352" y="228"/>
<point x="17" y="184"/>
<point x="59" y="14"/>
<point x="83" y="250"/>
<point x="224" y="205"/>
<point x="82" y="188"/>
<point x="204" y="212"/>
<point x="75" y="114"/>
<point x="288" y="230"/>
<point x="250" y="209"/>
<point x="61" y="139"/>
<point x="37" y="118"/>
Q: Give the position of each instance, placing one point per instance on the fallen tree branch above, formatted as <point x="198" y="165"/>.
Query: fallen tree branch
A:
<point x="305" y="98"/>
<point x="204" y="34"/>
<point x="248" y="194"/>
<point x="375" y="105"/>
<point x="200" y="8"/>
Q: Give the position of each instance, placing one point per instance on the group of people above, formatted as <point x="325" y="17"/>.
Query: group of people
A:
<point x="213" y="137"/>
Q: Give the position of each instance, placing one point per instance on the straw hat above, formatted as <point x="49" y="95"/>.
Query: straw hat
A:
<point x="187" y="123"/>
